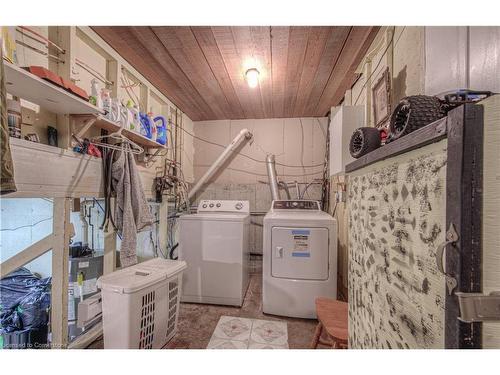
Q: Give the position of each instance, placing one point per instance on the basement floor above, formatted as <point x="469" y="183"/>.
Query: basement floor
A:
<point x="198" y="321"/>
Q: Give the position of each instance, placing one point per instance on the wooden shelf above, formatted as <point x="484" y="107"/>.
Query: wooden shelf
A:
<point x="21" y="83"/>
<point x="102" y="122"/>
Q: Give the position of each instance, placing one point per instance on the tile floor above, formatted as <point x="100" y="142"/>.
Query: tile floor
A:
<point x="197" y="322"/>
<point x="242" y="333"/>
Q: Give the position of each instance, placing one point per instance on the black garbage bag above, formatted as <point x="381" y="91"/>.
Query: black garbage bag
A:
<point x="14" y="287"/>
<point x="33" y="308"/>
<point x="24" y="300"/>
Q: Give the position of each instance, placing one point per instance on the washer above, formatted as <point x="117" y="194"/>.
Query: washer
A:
<point x="300" y="258"/>
<point x="215" y="244"/>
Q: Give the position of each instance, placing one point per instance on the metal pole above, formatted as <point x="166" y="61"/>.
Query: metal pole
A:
<point x="271" y="174"/>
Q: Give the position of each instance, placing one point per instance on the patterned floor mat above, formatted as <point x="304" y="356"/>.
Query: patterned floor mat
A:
<point x="242" y="333"/>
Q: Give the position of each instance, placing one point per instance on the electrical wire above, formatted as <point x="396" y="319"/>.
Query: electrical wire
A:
<point x="265" y="175"/>
<point x="248" y="156"/>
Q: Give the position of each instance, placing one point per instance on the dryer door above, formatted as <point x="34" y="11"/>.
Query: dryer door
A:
<point x="300" y="253"/>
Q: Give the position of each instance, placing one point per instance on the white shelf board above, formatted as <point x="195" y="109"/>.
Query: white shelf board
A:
<point x="21" y="83"/>
<point x="111" y="126"/>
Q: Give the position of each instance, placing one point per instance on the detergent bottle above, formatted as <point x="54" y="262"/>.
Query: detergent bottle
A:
<point x="145" y="125"/>
<point x="154" y="131"/>
<point x="161" y="130"/>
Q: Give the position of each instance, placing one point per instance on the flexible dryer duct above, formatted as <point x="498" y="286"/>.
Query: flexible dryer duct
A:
<point x="271" y="175"/>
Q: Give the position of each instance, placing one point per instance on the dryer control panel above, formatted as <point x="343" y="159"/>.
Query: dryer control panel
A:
<point x="296" y="205"/>
<point x="223" y="206"/>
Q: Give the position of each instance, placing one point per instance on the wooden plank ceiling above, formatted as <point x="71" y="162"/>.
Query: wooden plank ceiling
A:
<point x="303" y="70"/>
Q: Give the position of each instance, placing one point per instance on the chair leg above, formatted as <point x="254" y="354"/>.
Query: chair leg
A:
<point x="317" y="335"/>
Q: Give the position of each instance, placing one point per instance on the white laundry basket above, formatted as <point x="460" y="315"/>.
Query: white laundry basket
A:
<point x="140" y="304"/>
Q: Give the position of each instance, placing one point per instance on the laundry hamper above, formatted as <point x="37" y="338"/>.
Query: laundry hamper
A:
<point x="140" y="304"/>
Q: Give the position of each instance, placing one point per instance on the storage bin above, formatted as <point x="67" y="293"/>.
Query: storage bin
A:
<point x="140" y="304"/>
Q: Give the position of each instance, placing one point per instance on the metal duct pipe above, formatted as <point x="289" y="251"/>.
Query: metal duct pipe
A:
<point x="244" y="135"/>
<point x="271" y="175"/>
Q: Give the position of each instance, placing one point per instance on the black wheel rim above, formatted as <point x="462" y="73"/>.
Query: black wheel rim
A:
<point x="401" y="119"/>
<point x="356" y="142"/>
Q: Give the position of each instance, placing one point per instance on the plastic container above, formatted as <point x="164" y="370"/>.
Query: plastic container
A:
<point x="161" y="135"/>
<point x="140" y="304"/>
<point x="146" y="125"/>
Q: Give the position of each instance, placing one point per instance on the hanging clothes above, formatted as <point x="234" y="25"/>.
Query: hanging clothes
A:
<point x="132" y="213"/>
<point x="7" y="183"/>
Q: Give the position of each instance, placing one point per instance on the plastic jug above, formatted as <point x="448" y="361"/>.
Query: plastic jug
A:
<point x="161" y="134"/>
<point x="145" y="125"/>
<point x="154" y="131"/>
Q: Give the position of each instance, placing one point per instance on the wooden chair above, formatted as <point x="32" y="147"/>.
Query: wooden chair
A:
<point x="332" y="316"/>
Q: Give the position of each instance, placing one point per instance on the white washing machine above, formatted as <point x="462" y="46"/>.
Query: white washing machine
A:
<point x="215" y="244"/>
<point x="300" y="258"/>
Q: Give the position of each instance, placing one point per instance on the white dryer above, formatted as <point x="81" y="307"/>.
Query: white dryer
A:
<point x="300" y="258"/>
<point x="215" y="244"/>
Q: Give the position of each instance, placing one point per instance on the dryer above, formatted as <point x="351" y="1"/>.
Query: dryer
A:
<point x="300" y="258"/>
<point x="215" y="244"/>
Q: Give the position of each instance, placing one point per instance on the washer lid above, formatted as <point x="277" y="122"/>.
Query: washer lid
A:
<point x="216" y="216"/>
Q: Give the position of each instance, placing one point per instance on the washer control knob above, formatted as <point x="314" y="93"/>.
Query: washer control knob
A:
<point x="217" y="205"/>
<point x="238" y="206"/>
<point x="211" y="205"/>
<point x="204" y="205"/>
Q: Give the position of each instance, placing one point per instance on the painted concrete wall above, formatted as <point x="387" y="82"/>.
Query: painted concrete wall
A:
<point x="294" y="141"/>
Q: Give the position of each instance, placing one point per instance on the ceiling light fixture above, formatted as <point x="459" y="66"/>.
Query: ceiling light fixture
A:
<point x="252" y="76"/>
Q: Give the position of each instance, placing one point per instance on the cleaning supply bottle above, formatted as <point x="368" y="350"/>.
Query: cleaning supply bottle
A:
<point x="131" y="124"/>
<point x="106" y="100"/>
<point x="145" y="129"/>
<point x="136" y="123"/>
<point x="95" y="98"/>
<point x="161" y="130"/>
<point x="154" y="131"/>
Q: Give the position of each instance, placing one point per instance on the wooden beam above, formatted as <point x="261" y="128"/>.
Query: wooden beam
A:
<point x="27" y="255"/>
<point x="109" y="258"/>
<point x="87" y="337"/>
<point x="428" y="134"/>
<point x="163" y="225"/>
<point x="60" y="270"/>
<point x="464" y="185"/>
